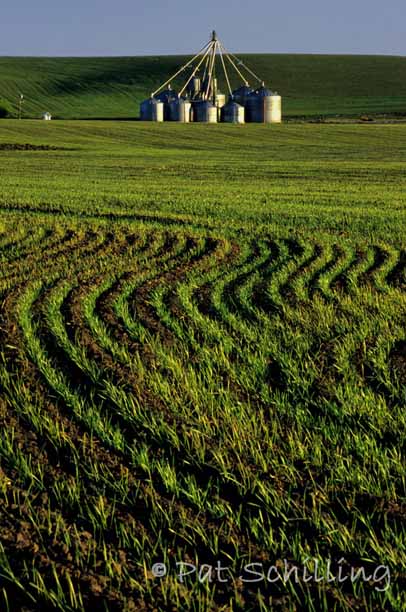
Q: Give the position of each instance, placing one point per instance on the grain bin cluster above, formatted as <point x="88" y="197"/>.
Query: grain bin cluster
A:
<point x="200" y="99"/>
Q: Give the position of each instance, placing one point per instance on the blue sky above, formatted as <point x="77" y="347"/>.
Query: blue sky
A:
<point x="131" y="27"/>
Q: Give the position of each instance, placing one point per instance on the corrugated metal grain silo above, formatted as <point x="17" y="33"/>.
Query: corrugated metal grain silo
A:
<point x="276" y="108"/>
<point x="241" y="94"/>
<point x="219" y="99"/>
<point x="167" y="96"/>
<point x="181" y="110"/>
<point x="152" y="110"/>
<point x="219" y="102"/>
<point x="233" y="112"/>
<point x="204" y="111"/>
<point x="259" y="106"/>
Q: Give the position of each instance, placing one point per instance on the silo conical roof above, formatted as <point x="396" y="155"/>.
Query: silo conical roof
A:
<point x="167" y="95"/>
<point x="262" y="92"/>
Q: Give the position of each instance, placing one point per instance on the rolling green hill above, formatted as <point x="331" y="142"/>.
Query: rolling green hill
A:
<point x="112" y="87"/>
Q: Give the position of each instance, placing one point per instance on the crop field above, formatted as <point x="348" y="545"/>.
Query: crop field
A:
<point x="202" y="362"/>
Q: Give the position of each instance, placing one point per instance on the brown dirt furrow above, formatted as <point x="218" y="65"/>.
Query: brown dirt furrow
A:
<point x="366" y="278"/>
<point x="338" y="254"/>
<point x="397" y="277"/>
<point x="397" y="361"/>
<point x="287" y="289"/>
<point x="340" y="283"/>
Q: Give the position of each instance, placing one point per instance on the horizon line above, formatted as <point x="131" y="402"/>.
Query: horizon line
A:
<point x="187" y="54"/>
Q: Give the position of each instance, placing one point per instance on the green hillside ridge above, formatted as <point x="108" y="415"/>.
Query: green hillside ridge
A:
<point x="113" y="87"/>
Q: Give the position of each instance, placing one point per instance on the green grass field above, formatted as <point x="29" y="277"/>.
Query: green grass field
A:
<point x="311" y="85"/>
<point x="202" y="360"/>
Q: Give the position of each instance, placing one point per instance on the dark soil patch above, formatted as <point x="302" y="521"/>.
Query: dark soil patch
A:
<point x="397" y="361"/>
<point x="6" y="146"/>
<point x="397" y="278"/>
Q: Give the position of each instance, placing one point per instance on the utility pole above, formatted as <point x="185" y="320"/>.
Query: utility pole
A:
<point x="20" y="105"/>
